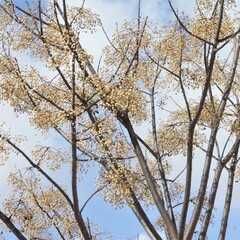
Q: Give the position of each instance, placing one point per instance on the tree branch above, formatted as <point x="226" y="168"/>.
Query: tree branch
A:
<point x="11" y="226"/>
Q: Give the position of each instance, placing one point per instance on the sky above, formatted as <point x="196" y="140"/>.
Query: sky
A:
<point x="112" y="12"/>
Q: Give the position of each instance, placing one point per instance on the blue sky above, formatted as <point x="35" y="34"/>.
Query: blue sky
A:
<point x="122" y="223"/>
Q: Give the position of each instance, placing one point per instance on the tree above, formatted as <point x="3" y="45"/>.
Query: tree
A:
<point x="175" y="77"/>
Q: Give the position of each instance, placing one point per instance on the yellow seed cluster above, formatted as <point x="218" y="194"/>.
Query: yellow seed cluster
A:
<point x="38" y="207"/>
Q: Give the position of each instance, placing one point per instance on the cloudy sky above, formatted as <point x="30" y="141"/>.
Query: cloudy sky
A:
<point x="112" y="12"/>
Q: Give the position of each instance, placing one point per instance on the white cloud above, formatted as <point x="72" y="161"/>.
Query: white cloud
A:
<point x="143" y="236"/>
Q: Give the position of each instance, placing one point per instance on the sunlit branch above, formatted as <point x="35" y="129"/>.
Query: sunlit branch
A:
<point x="227" y="205"/>
<point x="92" y="195"/>
<point x="212" y="139"/>
<point x="40" y="170"/>
<point x="76" y="210"/>
<point x="184" y="27"/>
<point x="183" y="89"/>
<point x="156" y="149"/>
<point x="232" y="35"/>
<point x="106" y="35"/>
<point x="12" y="226"/>
<point x="179" y="175"/>
<point x="170" y="226"/>
<point x="212" y="196"/>
<point x="134" y="203"/>
<point x="162" y="66"/>
<point x="228" y="199"/>
<point x="48" y="215"/>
